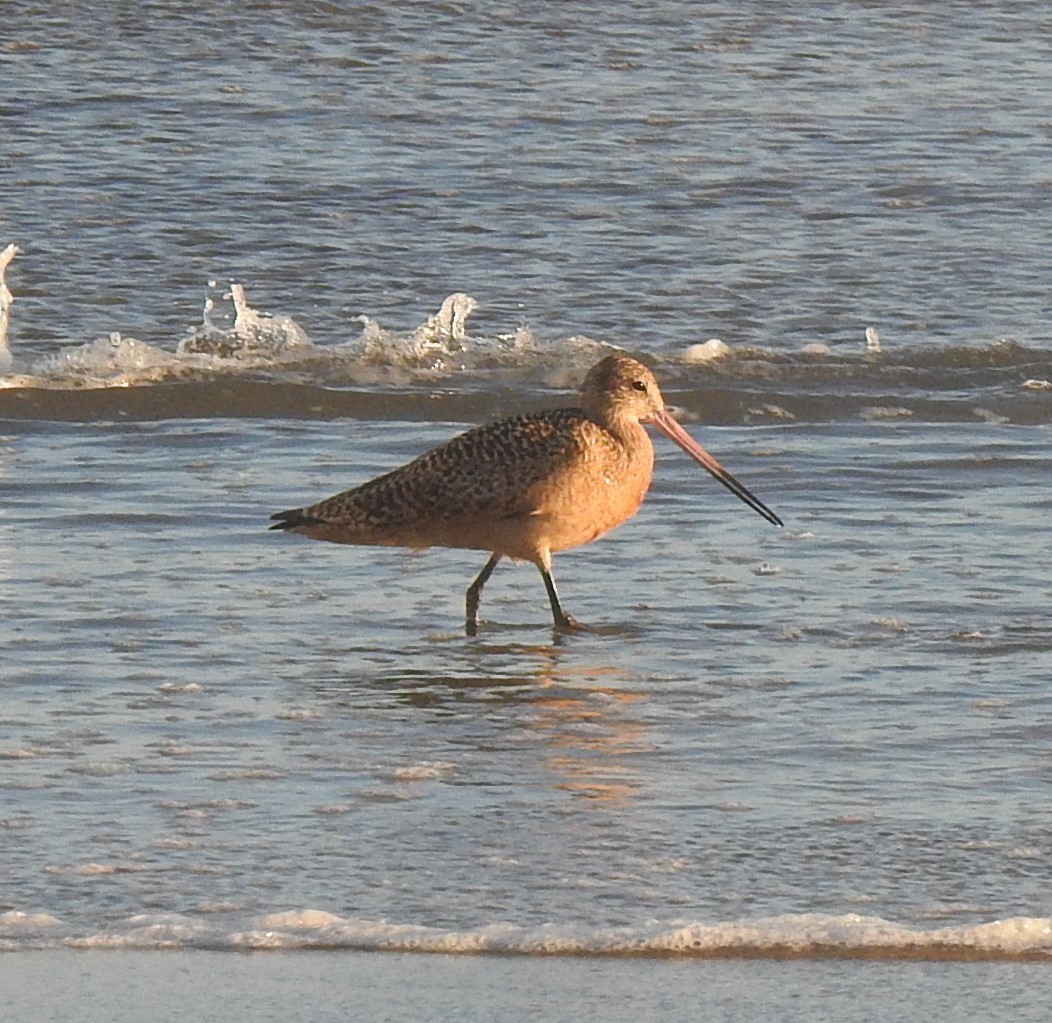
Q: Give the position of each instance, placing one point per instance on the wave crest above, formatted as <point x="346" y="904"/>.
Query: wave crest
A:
<point x="799" y="936"/>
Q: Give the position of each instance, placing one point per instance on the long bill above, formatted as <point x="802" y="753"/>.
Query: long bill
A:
<point x="671" y="429"/>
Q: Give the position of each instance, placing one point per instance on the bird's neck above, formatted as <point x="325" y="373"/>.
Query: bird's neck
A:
<point x="629" y="433"/>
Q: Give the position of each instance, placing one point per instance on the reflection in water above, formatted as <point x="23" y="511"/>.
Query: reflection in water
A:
<point x="591" y="742"/>
<point x="578" y="712"/>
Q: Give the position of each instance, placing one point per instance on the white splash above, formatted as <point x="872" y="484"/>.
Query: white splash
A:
<point x="425" y="770"/>
<point x="431" y="345"/>
<point x="113" y="361"/>
<point x="250" y="333"/>
<point x="876" y="413"/>
<point x="872" y="341"/>
<point x="707" y="351"/>
<point x="262" y="329"/>
<point x="449" y="326"/>
<point x="6" y="301"/>
<point x="772" y="412"/>
<point x="371" y="329"/>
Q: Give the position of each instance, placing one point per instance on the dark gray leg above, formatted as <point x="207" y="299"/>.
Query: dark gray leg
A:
<point x="563" y="622"/>
<point x="471" y="624"/>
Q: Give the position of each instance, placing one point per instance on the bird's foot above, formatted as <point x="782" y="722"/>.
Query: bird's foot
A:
<point x="567" y="623"/>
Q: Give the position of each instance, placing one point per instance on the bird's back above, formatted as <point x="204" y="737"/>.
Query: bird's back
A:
<point x="549" y="480"/>
<point x="485" y="473"/>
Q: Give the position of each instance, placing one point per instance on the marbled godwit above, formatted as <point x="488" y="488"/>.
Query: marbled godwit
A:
<point x="522" y="487"/>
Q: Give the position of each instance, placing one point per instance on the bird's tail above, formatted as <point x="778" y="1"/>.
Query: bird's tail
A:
<point x="294" y="518"/>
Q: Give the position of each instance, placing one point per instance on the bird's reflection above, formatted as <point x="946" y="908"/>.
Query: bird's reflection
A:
<point x="577" y="711"/>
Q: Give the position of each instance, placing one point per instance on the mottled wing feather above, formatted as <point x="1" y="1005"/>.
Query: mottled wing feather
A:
<point x="487" y="472"/>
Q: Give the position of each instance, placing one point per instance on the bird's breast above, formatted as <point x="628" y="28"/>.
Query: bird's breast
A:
<point x="602" y="487"/>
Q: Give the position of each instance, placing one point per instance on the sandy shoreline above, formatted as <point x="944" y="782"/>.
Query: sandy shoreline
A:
<point x="322" y="986"/>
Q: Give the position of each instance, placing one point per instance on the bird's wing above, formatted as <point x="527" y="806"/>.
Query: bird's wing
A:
<point x="490" y="471"/>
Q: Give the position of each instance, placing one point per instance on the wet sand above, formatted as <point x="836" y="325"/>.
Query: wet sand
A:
<point x="100" y="987"/>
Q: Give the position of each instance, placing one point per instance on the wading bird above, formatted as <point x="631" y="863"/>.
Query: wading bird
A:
<point x="522" y="487"/>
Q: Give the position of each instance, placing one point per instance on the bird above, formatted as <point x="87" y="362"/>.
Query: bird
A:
<point x="523" y="487"/>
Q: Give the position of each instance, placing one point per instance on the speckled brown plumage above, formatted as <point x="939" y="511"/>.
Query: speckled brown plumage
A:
<point x="522" y="487"/>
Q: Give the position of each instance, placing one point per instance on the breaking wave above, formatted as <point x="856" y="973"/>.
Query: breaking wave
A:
<point x="799" y="936"/>
<point x="241" y="362"/>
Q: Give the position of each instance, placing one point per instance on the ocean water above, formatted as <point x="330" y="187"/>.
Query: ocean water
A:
<point x="829" y="740"/>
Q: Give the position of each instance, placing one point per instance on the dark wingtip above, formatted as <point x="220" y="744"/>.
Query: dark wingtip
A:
<point x="291" y="519"/>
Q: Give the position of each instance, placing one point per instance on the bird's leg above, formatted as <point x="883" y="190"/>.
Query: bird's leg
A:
<point x="563" y="621"/>
<point x="471" y="624"/>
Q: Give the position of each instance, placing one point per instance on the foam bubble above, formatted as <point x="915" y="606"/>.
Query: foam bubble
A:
<point x="300" y="919"/>
<point x="17" y="919"/>
<point x="707" y="351"/>
<point x="806" y="935"/>
<point x="424" y="771"/>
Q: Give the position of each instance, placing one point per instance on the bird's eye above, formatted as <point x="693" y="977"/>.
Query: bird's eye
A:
<point x="638" y="385"/>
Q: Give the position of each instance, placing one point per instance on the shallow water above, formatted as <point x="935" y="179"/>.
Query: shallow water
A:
<point x="755" y="173"/>
<point x="213" y="721"/>
<point x="827" y="739"/>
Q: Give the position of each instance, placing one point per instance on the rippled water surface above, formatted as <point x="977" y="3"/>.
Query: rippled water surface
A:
<point x="752" y="172"/>
<point x="844" y="716"/>
<point x="825" y="739"/>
